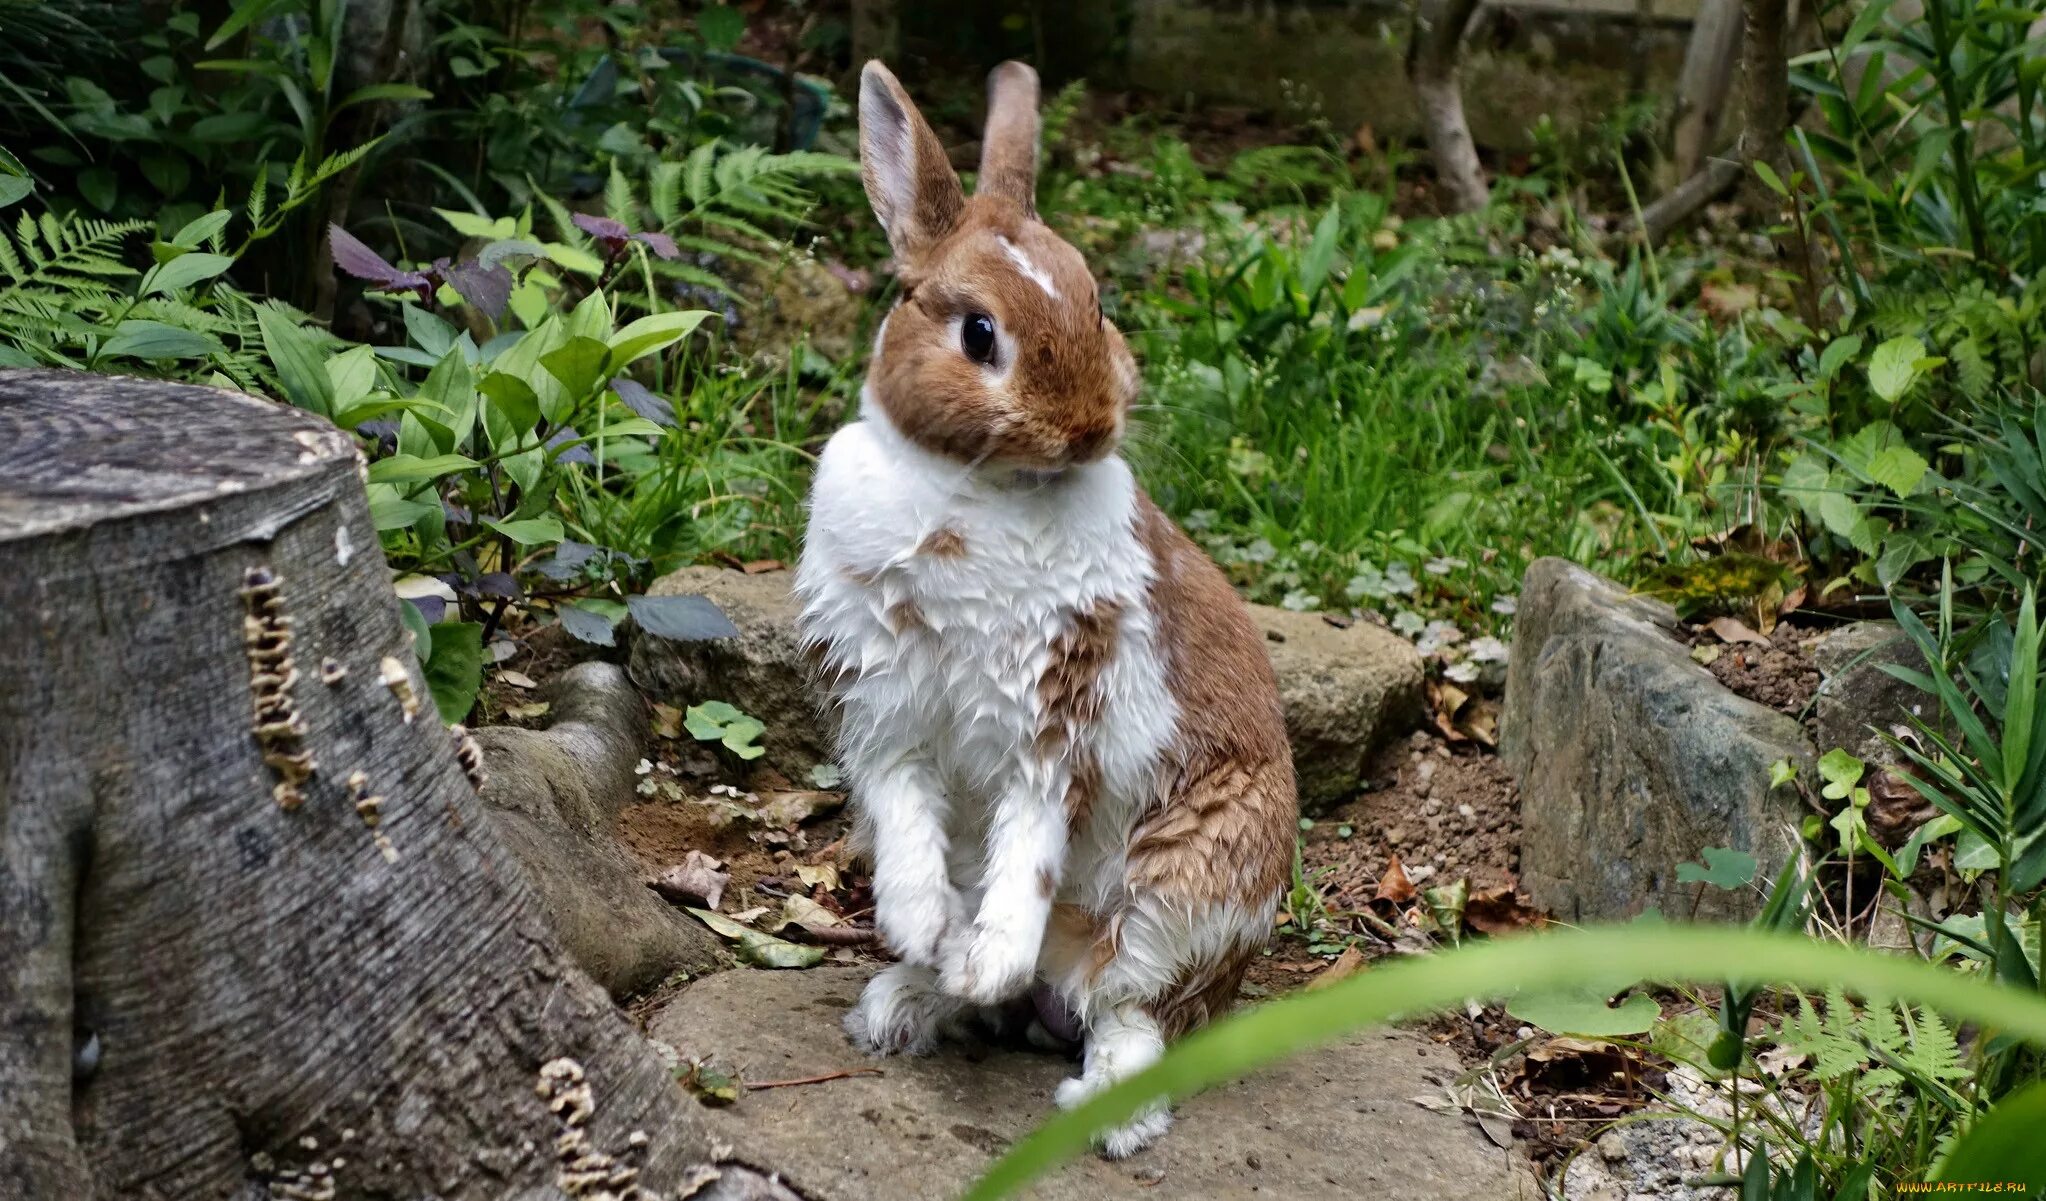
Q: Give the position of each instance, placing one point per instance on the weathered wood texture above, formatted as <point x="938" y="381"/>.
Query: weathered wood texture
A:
<point x="1433" y="54"/>
<point x="203" y="993"/>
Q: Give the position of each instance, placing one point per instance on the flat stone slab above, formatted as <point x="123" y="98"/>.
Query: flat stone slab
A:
<point x="1337" y="1122"/>
<point x="1346" y="690"/>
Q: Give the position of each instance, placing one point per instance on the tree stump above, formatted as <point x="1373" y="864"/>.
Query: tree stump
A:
<point x="256" y="937"/>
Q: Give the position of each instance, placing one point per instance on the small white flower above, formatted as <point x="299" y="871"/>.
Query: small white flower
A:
<point x="1506" y="604"/>
<point x="1488" y="650"/>
<point x="1369" y="581"/>
<point x="643" y="767"/>
<point x="1408" y="622"/>
<point x="1300" y="602"/>
<point x="1444" y="564"/>
<point x="1461" y="672"/>
<point x="1399" y="579"/>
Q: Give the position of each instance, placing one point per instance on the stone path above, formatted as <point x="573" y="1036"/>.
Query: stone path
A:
<point x="1335" y="1123"/>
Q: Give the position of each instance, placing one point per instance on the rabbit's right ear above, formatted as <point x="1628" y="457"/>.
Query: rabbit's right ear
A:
<point x="912" y="187"/>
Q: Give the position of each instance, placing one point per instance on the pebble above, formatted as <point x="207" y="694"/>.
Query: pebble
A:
<point x="1465" y="810"/>
<point x="1251" y="1161"/>
<point x="1612" y="1147"/>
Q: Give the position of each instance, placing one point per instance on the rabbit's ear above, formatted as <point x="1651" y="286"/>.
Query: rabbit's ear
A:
<point x="913" y="189"/>
<point x="1008" y="150"/>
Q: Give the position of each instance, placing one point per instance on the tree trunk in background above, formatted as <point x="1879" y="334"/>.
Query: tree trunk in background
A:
<point x="1433" y="51"/>
<point x="1705" y="82"/>
<point x="1765" y="67"/>
<point x="205" y="992"/>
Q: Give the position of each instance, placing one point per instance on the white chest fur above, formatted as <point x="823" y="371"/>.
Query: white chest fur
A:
<point x="938" y="595"/>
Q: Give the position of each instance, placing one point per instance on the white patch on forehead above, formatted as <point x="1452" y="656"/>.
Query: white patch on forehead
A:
<point x="1031" y="271"/>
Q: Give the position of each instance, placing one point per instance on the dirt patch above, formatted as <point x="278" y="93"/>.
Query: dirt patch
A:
<point x="1781" y="674"/>
<point x="1449" y="813"/>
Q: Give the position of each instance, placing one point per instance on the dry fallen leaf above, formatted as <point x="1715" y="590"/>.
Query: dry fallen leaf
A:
<point x="517" y="679"/>
<point x="1732" y="629"/>
<point x="1498" y="911"/>
<point x="1394" y="885"/>
<point x="795" y="807"/>
<point x="667" y="721"/>
<point x="525" y="712"/>
<point x="756" y="566"/>
<point x="695" y="881"/>
<point x="814" y="874"/>
<point x="1348" y="964"/>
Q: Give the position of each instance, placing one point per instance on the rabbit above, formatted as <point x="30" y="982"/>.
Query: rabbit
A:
<point x="1063" y="738"/>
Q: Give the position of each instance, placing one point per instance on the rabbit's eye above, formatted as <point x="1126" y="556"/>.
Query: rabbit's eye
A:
<point x="977" y="337"/>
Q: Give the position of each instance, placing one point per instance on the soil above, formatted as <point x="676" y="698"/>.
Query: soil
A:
<point x="1781" y="675"/>
<point x="1448" y="812"/>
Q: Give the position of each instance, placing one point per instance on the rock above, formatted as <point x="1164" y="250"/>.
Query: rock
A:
<point x="1339" y="1120"/>
<point x="1855" y="693"/>
<point x="1346" y="691"/>
<point x="762" y="671"/>
<point x="1630" y="757"/>
<point x="553" y="796"/>
<point x="794" y="299"/>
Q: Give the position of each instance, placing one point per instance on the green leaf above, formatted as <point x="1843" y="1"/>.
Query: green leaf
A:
<point x="382" y="91"/>
<point x="201" y="230"/>
<point x="514" y="409"/>
<point x="449" y="388"/>
<point x="1606" y="957"/>
<point x="1898" y="468"/>
<point x="455" y="670"/>
<point x="649" y="334"/>
<point x="1723" y="868"/>
<point x="391" y="510"/>
<point x="1894" y="366"/>
<point x="473" y="225"/>
<point x="532" y="531"/>
<point x="758" y="947"/>
<point x="139" y="338"/>
<point x="1840" y="513"/>
<point x="405" y="469"/>
<point x="1838" y="353"/>
<point x="1586" y="1014"/>
<point x="578" y="364"/>
<point x="1841" y="772"/>
<point x="1770" y="179"/>
<point x="1781" y="772"/>
<point x="717" y="721"/>
<point x="184" y="271"/>
<point x="297" y="358"/>
<point x="2003" y="1145"/>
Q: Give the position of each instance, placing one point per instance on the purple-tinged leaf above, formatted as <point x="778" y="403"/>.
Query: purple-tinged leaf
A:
<point x="360" y="261"/>
<point x="508" y="248"/>
<point x="681" y="618"/>
<point x="457" y="514"/>
<point x="498" y="585"/>
<point x="488" y="288"/>
<point x="574" y="454"/>
<point x="568" y="560"/>
<point x="432" y="608"/>
<point x="587" y="625"/>
<point x="656" y="409"/>
<point x="603" y="228"/>
<point x="384" y="431"/>
<point x="660" y="244"/>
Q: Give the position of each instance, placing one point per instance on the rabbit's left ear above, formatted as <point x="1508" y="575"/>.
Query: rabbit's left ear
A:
<point x="1008" y="149"/>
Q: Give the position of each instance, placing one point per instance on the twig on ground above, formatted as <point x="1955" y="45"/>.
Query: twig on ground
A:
<point x="828" y="1076"/>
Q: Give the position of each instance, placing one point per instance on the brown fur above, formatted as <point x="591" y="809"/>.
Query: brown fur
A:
<point x="1201" y="994"/>
<point x="943" y="544"/>
<point x="1224" y="829"/>
<point x="1069" y="699"/>
<point x="1063" y="377"/>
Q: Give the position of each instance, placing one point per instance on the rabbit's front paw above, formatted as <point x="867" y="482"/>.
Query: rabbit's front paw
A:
<point x="915" y="925"/>
<point x="987" y="966"/>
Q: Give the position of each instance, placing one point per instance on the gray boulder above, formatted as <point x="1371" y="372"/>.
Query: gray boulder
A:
<point x="1857" y="697"/>
<point x="1346" y="690"/>
<point x="553" y="797"/>
<point x="1630" y="757"/>
<point x="1337" y="1121"/>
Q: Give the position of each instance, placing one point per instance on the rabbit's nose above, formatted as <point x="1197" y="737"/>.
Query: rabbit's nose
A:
<point x="1090" y="442"/>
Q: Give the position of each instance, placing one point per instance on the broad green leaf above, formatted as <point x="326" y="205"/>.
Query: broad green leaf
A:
<point x="2002" y="1147"/>
<point x="300" y="366"/>
<point x="201" y="230"/>
<point x="451" y="390"/>
<point x="1898" y="468"/>
<point x="1770" y="179"/>
<point x="1840" y="513"/>
<point x="183" y="272"/>
<point x="1586" y="1014"/>
<point x="391" y="510"/>
<point x="429" y="331"/>
<point x="455" y="670"/>
<point x="1599" y="957"/>
<point x="383" y="91"/>
<point x="531" y="531"/>
<point x="351" y="375"/>
<point x="471" y="225"/>
<point x="1894" y="366"/>
<point x="405" y="469"/>
<point x="578" y="364"/>
<point x="422" y="634"/>
<point x="1838" y="353"/>
<point x="513" y="411"/>
<point x="1723" y="868"/>
<point x="140" y="338"/>
<point x="1841" y="772"/>
<point x="649" y="334"/>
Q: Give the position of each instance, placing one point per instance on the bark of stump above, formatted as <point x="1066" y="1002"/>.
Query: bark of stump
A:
<point x="1434" y="50"/>
<point x="203" y="993"/>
